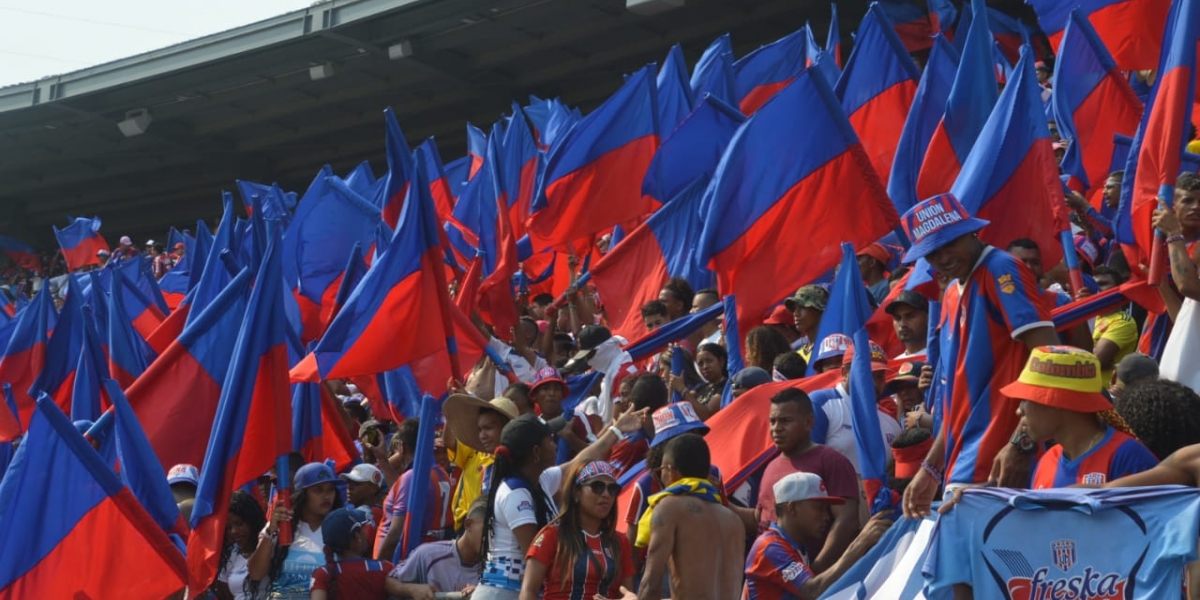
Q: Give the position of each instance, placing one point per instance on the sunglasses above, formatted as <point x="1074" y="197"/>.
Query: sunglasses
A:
<point x="599" y="487"/>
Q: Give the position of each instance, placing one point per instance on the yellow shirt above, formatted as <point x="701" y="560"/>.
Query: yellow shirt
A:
<point x="1120" y="329"/>
<point x="470" y="485"/>
<point x="806" y="352"/>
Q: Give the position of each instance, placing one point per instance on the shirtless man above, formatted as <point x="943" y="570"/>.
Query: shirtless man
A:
<point x="702" y="541"/>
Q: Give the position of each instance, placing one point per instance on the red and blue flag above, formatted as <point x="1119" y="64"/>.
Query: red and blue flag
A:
<point x="634" y="271"/>
<point x="128" y="353"/>
<point x="21" y="254"/>
<point x="252" y="426"/>
<point x="971" y="99"/>
<point x="912" y="23"/>
<point x="58" y="500"/>
<point x="762" y="73"/>
<point x="184" y="384"/>
<point x="401" y="295"/>
<point x="923" y="116"/>
<point x="593" y="180"/>
<point x="400" y="170"/>
<point x="140" y="468"/>
<point x="1132" y="30"/>
<point x="62" y="350"/>
<point x="833" y="41"/>
<point x="1092" y="103"/>
<point x="330" y="221"/>
<point x="877" y="88"/>
<point x="80" y="241"/>
<point x="1159" y="142"/>
<point x="693" y="150"/>
<point x="1011" y="177"/>
<point x="761" y="214"/>
<point x="318" y="432"/>
<point x="25" y="355"/>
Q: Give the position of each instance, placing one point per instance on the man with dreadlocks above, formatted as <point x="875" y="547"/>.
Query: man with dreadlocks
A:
<point x="1061" y="397"/>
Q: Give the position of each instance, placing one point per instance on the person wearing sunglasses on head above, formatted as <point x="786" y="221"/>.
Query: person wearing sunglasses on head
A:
<point x="580" y="554"/>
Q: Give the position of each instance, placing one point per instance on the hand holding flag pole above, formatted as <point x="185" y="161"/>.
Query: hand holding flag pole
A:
<point x="283" y="497"/>
<point x="1158" y="258"/>
<point x="1068" y="244"/>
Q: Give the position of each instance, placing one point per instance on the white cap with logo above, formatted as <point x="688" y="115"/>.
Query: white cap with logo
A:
<point x="797" y="487"/>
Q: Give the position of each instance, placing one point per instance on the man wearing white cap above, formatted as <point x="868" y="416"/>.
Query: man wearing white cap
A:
<point x="364" y="484"/>
<point x="778" y="565"/>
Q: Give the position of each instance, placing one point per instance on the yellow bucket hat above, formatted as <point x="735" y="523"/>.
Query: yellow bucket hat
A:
<point x="1061" y="377"/>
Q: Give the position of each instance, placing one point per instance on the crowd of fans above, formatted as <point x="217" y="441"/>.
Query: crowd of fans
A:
<point x="524" y="500"/>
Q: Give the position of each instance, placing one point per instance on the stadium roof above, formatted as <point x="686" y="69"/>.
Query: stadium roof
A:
<point x="244" y="104"/>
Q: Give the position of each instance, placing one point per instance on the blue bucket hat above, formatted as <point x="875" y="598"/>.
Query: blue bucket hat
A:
<point x="935" y="222"/>
<point x="675" y="419"/>
<point x="313" y="474"/>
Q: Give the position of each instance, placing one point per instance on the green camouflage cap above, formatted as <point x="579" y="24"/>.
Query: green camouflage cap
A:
<point x="810" y="296"/>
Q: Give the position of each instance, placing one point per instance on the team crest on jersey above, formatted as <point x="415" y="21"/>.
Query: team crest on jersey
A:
<point x="1095" y="479"/>
<point x="1006" y="283"/>
<point x="1064" y="554"/>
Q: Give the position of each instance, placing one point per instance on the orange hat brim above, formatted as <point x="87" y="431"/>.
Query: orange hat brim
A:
<point x="1083" y="402"/>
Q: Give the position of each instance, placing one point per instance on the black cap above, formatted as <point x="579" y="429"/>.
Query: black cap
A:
<point x="909" y="298"/>
<point x="521" y="434"/>
<point x="1136" y="367"/>
<point x="590" y="338"/>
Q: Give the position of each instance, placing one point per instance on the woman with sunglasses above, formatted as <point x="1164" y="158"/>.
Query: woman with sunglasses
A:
<point x="580" y="555"/>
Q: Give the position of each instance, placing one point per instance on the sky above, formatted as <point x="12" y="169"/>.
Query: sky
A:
<point x="52" y="37"/>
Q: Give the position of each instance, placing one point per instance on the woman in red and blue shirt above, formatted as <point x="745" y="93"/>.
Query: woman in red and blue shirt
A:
<point x="580" y="554"/>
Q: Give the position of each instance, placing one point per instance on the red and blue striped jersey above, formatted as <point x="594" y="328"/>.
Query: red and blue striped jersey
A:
<point x="775" y="568"/>
<point x="981" y="319"/>
<point x="1116" y="456"/>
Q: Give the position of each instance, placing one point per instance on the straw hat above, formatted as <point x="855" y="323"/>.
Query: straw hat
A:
<point x="462" y="414"/>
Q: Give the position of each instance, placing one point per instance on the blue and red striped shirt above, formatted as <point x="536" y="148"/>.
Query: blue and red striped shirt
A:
<point x="981" y="319"/>
<point x="775" y="568"/>
<point x="1118" y="454"/>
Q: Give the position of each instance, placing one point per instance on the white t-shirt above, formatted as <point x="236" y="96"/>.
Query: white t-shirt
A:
<point x="520" y="366"/>
<point x="915" y="355"/>
<point x="840" y="435"/>
<point x="505" y="564"/>
<point x="235" y="574"/>
<point x="305" y="555"/>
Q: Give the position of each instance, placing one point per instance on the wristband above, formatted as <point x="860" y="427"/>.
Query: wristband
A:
<point x="1175" y="238"/>
<point x="928" y="468"/>
<point x="617" y="432"/>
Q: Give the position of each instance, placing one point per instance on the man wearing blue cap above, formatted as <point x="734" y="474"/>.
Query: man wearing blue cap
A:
<point x="991" y="318"/>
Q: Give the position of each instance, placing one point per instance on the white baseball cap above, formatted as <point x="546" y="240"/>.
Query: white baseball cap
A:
<point x="797" y="487"/>
<point x="183" y="473"/>
<point x="365" y="474"/>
